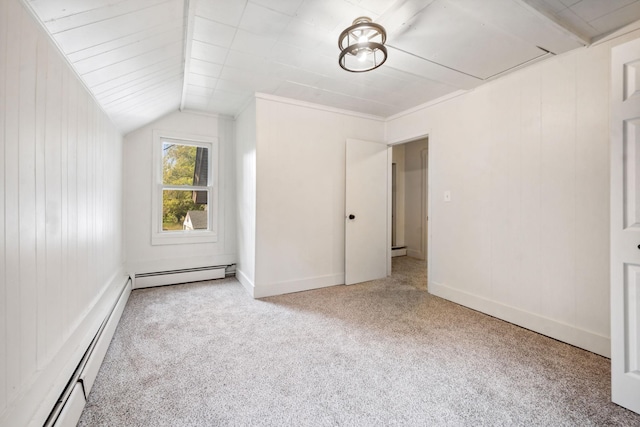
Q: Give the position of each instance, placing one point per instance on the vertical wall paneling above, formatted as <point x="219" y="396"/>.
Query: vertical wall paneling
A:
<point x="64" y="202"/>
<point x="3" y="325"/>
<point x="558" y="187"/>
<point x="40" y="194"/>
<point x="81" y="184"/>
<point x="72" y="220"/>
<point x="11" y="213"/>
<point x="530" y="134"/>
<point x="61" y="262"/>
<point x="53" y="173"/>
<point x="26" y="196"/>
<point x="501" y="147"/>
<point x="592" y="179"/>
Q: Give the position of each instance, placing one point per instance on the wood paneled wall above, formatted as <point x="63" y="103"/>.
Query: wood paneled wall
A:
<point x="60" y="216"/>
<point x="525" y="237"/>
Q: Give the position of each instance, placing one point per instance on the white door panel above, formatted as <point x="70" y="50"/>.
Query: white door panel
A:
<point x="625" y="226"/>
<point x="366" y="242"/>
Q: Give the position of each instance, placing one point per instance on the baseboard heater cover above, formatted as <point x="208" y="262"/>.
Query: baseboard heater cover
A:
<point x="67" y="411"/>
<point x="173" y="277"/>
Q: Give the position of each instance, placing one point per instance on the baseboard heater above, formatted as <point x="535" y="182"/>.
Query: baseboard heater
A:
<point x="69" y="406"/>
<point x="173" y="277"/>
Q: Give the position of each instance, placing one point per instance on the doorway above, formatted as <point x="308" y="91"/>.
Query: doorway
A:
<point x="409" y="199"/>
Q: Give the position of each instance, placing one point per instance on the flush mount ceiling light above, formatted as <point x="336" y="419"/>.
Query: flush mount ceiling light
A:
<point x="362" y="46"/>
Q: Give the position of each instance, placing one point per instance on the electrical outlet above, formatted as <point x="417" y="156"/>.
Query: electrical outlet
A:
<point x="447" y="196"/>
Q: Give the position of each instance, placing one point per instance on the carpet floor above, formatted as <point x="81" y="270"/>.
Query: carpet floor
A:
<point x="384" y="352"/>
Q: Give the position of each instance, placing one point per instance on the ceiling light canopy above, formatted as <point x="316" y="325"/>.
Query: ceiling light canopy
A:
<point x="362" y="46"/>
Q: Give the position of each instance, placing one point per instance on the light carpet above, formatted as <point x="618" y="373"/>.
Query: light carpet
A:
<point x="380" y="353"/>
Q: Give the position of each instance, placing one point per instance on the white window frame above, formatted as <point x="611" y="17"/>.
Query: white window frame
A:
<point x="176" y="237"/>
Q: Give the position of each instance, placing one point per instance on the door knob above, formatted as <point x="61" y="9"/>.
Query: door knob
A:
<point x="352" y="216"/>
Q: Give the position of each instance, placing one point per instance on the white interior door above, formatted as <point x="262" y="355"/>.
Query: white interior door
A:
<point x="366" y="244"/>
<point x="625" y="226"/>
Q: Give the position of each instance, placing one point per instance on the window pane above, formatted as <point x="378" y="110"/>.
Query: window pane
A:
<point x="184" y="210"/>
<point x="184" y="164"/>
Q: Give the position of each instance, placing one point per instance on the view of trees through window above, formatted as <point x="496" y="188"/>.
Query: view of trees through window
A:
<point x="184" y="178"/>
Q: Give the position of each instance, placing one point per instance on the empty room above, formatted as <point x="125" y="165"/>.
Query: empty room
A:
<point x="319" y="212"/>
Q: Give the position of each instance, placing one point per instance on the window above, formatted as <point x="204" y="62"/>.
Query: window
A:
<point x="185" y="189"/>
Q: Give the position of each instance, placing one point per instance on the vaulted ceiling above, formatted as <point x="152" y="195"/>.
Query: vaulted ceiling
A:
<point x="144" y="58"/>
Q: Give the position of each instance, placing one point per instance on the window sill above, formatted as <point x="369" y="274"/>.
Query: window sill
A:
<point x="183" y="237"/>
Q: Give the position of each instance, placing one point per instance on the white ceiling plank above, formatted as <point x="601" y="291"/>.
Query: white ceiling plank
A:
<point x="520" y="22"/>
<point x="130" y="51"/>
<point x="234" y="87"/>
<point x="287" y="7"/>
<point x="445" y="31"/>
<point x="576" y="24"/>
<point x="133" y="85"/>
<point x="86" y="36"/>
<point x="141" y="90"/>
<point x="151" y="97"/>
<point x="377" y="7"/>
<point x="123" y="82"/>
<point x="213" y="32"/>
<point x="590" y="10"/>
<point x="253" y="44"/>
<point x="263" y="21"/>
<point x="556" y="19"/>
<point x="245" y="61"/>
<point x="411" y="64"/>
<point x="199" y="91"/>
<point x="121" y="42"/>
<point x="49" y="10"/>
<point x="208" y="52"/>
<point x="101" y="14"/>
<point x="617" y="19"/>
<point x="202" y="81"/>
<point x="132" y="65"/>
<point x="329" y="14"/>
<point x="223" y="11"/>
<point x="223" y="103"/>
<point x="254" y="81"/>
<point x="205" y="68"/>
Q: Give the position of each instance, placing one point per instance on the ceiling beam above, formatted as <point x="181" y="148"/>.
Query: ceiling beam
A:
<point x="189" y="16"/>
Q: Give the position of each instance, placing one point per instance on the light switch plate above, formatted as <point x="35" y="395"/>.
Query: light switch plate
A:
<point x="447" y="196"/>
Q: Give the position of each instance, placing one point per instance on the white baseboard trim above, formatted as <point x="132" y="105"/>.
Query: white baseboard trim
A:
<point x="552" y="328"/>
<point x="40" y="396"/>
<point x="271" y="289"/>
<point x="244" y="281"/>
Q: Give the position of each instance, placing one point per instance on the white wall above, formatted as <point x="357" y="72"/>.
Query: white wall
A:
<point x="526" y="158"/>
<point x="415" y="200"/>
<point x="142" y="257"/>
<point x="245" y="151"/>
<point x="60" y="215"/>
<point x="398" y="157"/>
<point x="301" y="193"/>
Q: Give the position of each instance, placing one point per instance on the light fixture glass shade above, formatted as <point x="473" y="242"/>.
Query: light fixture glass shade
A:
<point x="362" y="46"/>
